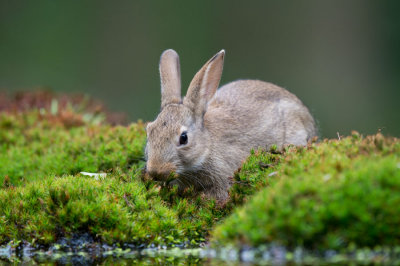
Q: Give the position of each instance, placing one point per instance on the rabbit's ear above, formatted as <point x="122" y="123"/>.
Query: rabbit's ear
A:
<point x="205" y="84"/>
<point x="170" y="74"/>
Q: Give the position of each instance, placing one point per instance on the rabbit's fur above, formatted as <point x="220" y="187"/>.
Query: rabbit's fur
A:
<point x="222" y="125"/>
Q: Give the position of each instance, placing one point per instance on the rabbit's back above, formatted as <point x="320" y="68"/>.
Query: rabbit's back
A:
<point x="252" y="113"/>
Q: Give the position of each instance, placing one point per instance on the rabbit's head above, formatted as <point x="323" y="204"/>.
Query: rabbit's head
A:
<point x="178" y="141"/>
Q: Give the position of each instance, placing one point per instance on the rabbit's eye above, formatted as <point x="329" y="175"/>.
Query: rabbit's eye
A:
<point x="183" y="138"/>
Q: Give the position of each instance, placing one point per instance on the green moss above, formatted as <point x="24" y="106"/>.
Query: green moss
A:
<point x="113" y="209"/>
<point x="333" y="195"/>
<point x="328" y="195"/>
<point x="33" y="146"/>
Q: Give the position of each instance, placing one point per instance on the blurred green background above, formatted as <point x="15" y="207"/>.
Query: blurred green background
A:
<point x="342" y="58"/>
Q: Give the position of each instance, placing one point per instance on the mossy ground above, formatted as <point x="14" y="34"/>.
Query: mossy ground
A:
<point x="328" y="195"/>
<point x="337" y="194"/>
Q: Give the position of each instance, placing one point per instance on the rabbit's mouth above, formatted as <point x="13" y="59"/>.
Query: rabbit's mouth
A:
<point x="165" y="177"/>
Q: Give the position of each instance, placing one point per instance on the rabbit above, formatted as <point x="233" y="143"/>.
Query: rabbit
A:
<point x="205" y="137"/>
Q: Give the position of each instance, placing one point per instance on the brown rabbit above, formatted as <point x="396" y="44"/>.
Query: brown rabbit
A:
<point x="206" y="136"/>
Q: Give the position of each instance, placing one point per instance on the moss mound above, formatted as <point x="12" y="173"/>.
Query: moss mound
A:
<point x="332" y="195"/>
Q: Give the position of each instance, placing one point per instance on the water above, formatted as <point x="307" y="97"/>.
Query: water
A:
<point x="83" y="250"/>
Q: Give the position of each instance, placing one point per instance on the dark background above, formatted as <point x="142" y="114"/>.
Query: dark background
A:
<point x="342" y="58"/>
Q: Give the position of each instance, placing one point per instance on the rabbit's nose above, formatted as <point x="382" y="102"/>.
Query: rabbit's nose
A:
<point x="159" y="171"/>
